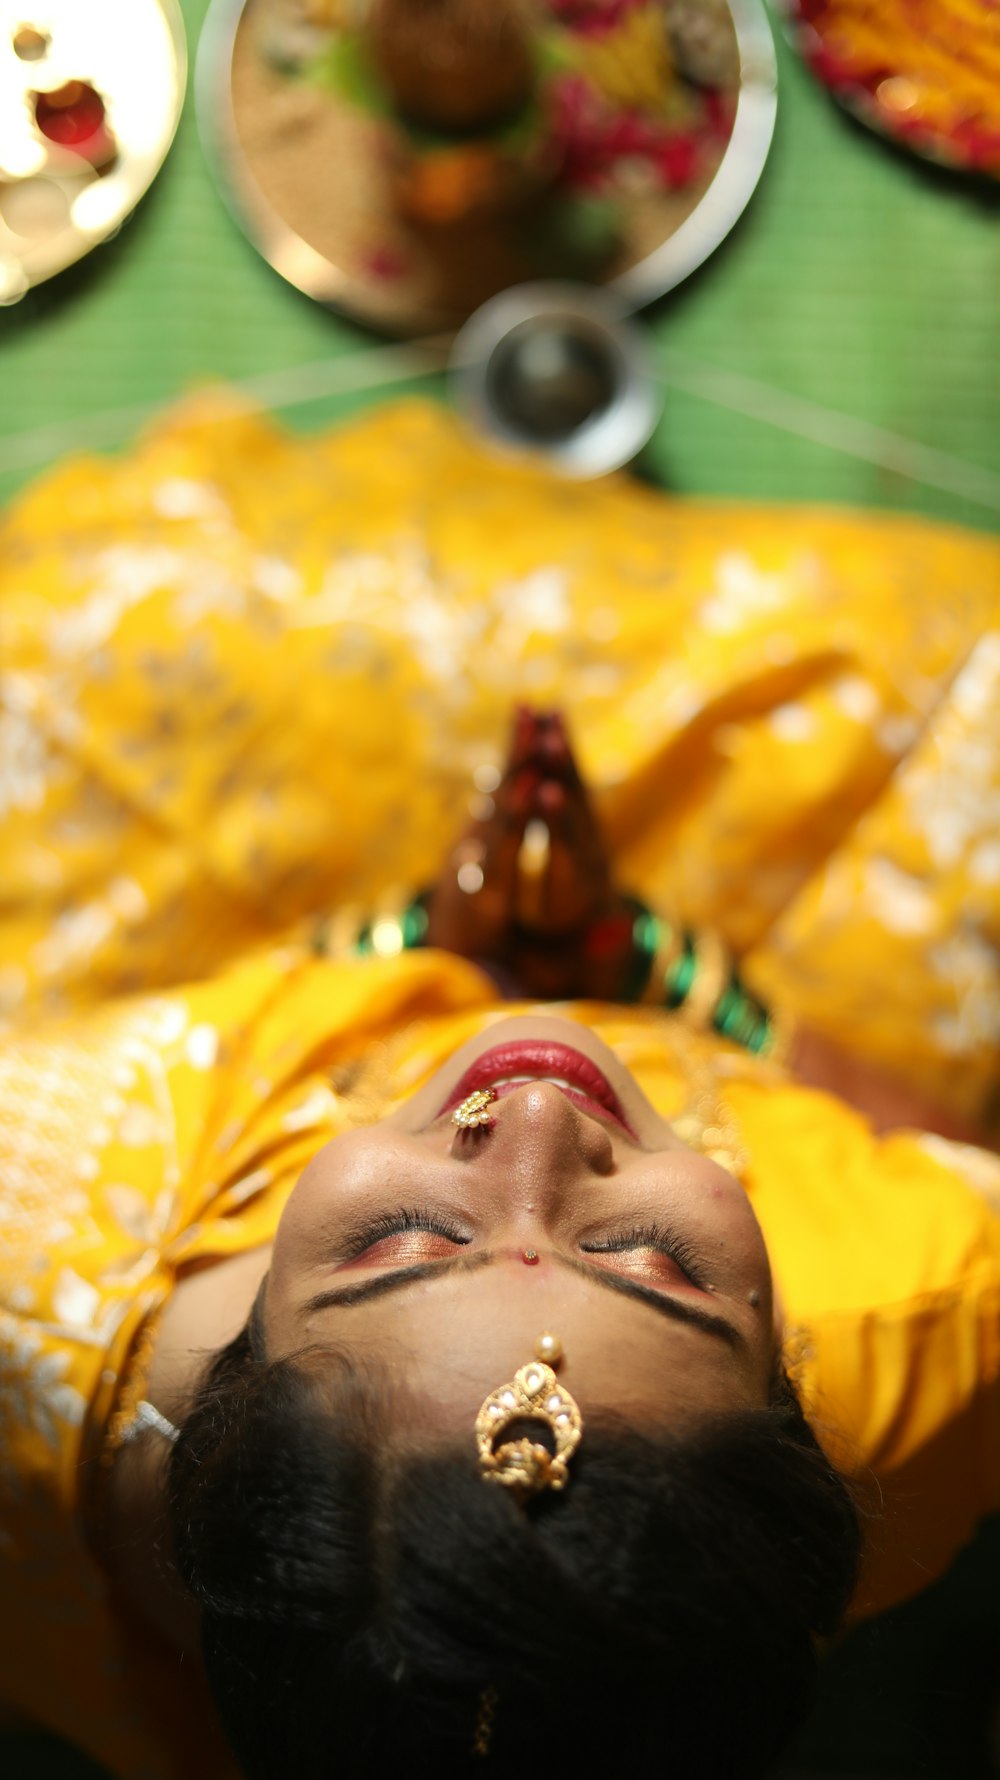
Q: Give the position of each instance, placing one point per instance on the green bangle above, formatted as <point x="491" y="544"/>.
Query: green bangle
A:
<point x="647" y="932"/>
<point x="385" y="936"/>
<point x="678" y="978"/>
<point x="740" y="1017"/>
<point x="737" y="1015"/>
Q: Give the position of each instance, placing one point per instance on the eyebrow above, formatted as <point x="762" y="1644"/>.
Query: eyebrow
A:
<point x="677" y="1310"/>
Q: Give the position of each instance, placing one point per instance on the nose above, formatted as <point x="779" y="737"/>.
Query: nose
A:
<point x="538" y="1136"/>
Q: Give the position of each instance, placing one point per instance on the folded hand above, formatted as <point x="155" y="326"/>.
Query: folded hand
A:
<point x="529" y="886"/>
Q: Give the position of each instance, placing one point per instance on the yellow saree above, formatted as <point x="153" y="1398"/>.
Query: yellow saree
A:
<point x="245" y="680"/>
<point x="245" y="677"/>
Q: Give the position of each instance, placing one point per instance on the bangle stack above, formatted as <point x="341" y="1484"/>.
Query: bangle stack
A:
<point x="686" y="970"/>
<point x="691" y="973"/>
<point x="392" y="928"/>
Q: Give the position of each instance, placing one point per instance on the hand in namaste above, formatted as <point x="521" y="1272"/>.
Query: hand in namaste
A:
<point x="529" y="886"/>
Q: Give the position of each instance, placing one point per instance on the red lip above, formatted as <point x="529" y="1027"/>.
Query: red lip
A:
<point x="589" y="1088"/>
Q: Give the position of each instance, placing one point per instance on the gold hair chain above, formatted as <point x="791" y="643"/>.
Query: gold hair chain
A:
<point x="525" y="1466"/>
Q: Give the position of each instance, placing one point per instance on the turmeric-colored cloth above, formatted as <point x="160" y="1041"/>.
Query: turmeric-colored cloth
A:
<point x="244" y="680"/>
<point x="244" y="676"/>
<point x="142" y="1139"/>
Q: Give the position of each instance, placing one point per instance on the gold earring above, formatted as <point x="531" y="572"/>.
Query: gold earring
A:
<point x="533" y="1394"/>
<point x="474" y="1110"/>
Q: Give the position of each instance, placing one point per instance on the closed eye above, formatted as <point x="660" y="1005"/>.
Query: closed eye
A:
<point x="652" y="1250"/>
<point x="407" y="1234"/>
<point x="412" y="1234"/>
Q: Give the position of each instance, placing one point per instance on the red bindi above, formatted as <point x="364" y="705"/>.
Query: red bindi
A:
<point x="530" y="1257"/>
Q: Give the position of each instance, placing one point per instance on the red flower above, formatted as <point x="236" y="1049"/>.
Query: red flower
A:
<point x="592" y="138"/>
<point x="677" y="159"/>
<point x="592" y="18"/>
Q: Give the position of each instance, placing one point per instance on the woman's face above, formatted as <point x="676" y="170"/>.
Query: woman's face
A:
<point x="405" y="1242"/>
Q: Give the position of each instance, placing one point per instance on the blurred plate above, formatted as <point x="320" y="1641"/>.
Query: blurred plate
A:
<point x="54" y="206"/>
<point x="304" y="163"/>
<point x="924" y="72"/>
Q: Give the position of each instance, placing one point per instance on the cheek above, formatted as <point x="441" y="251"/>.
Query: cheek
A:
<point x="729" y="1227"/>
<point x="336" y="1175"/>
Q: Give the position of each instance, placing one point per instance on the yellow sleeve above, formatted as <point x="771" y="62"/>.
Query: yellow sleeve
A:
<point x="134" y="1141"/>
<point x="887" y="1255"/>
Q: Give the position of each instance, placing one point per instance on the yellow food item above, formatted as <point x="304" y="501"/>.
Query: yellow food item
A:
<point x="631" y="64"/>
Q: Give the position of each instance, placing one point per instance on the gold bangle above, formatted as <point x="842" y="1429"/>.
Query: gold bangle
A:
<point x="334" y="935"/>
<point x="669" y="948"/>
<point x="397" y="924"/>
<point x="780" y="1037"/>
<point x="711" y="976"/>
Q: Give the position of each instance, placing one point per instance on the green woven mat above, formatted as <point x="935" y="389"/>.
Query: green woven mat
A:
<point x="843" y="344"/>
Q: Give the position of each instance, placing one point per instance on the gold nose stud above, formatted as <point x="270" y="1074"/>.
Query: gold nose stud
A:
<point x="474" y="1111"/>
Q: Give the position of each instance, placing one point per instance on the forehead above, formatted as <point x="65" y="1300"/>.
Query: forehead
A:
<point x="450" y="1340"/>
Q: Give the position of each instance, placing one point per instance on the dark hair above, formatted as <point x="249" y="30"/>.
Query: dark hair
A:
<point x="359" y="1599"/>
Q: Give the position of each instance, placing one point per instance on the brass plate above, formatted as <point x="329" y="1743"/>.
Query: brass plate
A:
<point x="53" y="207"/>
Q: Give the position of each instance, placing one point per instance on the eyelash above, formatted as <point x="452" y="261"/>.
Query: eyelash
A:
<point x="397" y="1223"/>
<point x="654" y="1236"/>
